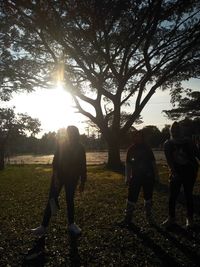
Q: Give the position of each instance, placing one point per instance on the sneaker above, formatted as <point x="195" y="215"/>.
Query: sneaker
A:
<point x="74" y="229"/>
<point x="39" y="231"/>
<point x="189" y="223"/>
<point x="54" y="206"/>
<point x="169" y="222"/>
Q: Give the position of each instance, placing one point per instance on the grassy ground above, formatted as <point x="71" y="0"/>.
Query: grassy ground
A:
<point x="22" y="199"/>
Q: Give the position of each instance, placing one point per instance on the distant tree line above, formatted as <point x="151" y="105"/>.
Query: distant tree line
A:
<point x="47" y="143"/>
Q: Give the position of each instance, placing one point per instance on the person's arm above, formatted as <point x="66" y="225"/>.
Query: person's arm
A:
<point x="83" y="170"/>
<point x="156" y="173"/>
<point x="196" y="150"/>
<point x="169" y="158"/>
<point x="155" y="169"/>
<point x="55" y="166"/>
<point x="128" y="168"/>
<point x="128" y="172"/>
<point x="198" y="154"/>
<point x="194" y="154"/>
<point x="56" y="159"/>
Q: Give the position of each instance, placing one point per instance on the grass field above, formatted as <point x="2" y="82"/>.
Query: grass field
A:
<point x="24" y="191"/>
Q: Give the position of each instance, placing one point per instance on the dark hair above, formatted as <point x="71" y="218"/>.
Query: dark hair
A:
<point x="175" y="125"/>
<point x="138" y="133"/>
<point x="175" y="129"/>
<point x="73" y="131"/>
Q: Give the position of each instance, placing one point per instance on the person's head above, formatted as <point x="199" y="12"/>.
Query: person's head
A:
<point x="175" y="130"/>
<point x="187" y="128"/>
<point x="138" y="137"/>
<point x="73" y="134"/>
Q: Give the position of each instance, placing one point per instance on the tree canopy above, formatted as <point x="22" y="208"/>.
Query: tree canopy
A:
<point x="187" y="106"/>
<point x="111" y="55"/>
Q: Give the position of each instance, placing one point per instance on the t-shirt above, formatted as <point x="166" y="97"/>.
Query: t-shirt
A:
<point x="70" y="161"/>
<point x="141" y="159"/>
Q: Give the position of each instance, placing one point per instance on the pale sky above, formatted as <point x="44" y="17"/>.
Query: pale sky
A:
<point x="54" y="108"/>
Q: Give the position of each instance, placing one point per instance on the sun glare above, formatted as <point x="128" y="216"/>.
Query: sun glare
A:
<point x="53" y="107"/>
<point x="58" y="109"/>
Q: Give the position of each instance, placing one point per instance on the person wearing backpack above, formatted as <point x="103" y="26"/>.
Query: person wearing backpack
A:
<point x="181" y="157"/>
<point x="69" y="166"/>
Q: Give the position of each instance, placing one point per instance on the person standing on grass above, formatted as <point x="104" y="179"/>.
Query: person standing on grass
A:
<point x="141" y="172"/>
<point x="69" y="166"/>
<point x="181" y="157"/>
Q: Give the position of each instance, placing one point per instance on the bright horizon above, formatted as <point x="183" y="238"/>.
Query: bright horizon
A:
<point x="54" y="108"/>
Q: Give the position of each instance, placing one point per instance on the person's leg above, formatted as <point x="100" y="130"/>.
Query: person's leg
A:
<point x="148" y="187"/>
<point x="53" y="194"/>
<point x="188" y="185"/>
<point x="133" y="193"/>
<point x="70" y="188"/>
<point x="174" y="189"/>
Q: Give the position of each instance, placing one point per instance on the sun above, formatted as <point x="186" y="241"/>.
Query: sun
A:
<point x="59" y="111"/>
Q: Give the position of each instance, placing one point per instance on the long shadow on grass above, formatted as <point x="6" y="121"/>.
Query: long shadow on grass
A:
<point x="190" y="235"/>
<point x="161" y="254"/>
<point x="163" y="188"/>
<point x="74" y="256"/>
<point x="186" y="250"/>
<point x="37" y="257"/>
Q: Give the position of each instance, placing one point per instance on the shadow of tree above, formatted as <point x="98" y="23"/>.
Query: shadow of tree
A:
<point x="190" y="253"/>
<point x="165" y="259"/>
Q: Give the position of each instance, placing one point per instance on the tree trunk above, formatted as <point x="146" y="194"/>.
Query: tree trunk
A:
<point x="114" y="161"/>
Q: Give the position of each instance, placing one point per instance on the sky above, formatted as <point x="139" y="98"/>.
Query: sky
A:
<point x="54" y="108"/>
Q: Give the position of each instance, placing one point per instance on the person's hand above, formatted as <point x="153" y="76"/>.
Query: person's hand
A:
<point x="56" y="180"/>
<point x="81" y="187"/>
<point x="127" y="180"/>
<point x="174" y="176"/>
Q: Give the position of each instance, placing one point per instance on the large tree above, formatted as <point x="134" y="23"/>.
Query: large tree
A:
<point x="13" y="125"/>
<point x="112" y="55"/>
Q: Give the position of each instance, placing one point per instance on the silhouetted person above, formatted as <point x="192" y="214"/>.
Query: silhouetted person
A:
<point x="181" y="156"/>
<point x="69" y="166"/>
<point x="141" y="172"/>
